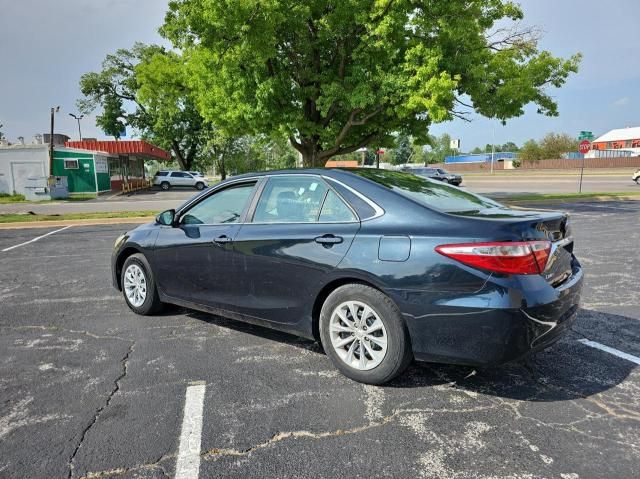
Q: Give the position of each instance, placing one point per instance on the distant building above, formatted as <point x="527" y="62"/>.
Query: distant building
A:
<point x="619" y="142"/>
<point x="481" y="157"/>
<point x="19" y="164"/>
<point x="59" y="139"/>
<point x="89" y="166"/>
<point x="341" y="164"/>
<point x="98" y="166"/>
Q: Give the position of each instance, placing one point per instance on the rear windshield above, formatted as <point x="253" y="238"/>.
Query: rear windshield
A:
<point x="162" y="173"/>
<point x="431" y="193"/>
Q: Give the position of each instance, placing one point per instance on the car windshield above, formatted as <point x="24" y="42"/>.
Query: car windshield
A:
<point x="433" y="194"/>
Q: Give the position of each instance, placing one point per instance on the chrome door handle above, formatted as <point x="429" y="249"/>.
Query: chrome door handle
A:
<point x="224" y="239"/>
<point x="329" y="239"/>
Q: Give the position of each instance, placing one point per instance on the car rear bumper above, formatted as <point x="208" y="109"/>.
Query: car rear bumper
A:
<point x="497" y="324"/>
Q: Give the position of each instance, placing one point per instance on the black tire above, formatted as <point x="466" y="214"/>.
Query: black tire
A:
<point x="199" y="186"/>
<point x="165" y="185"/>
<point x="399" y="353"/>
<point x="152" y="303"/>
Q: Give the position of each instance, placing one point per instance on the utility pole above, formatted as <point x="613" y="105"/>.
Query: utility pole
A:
<point x="78" y="118"/>
<point x="493" y="147"/>
<point x="54" y="110"/>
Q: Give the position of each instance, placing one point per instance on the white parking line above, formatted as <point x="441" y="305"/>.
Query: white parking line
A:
<point x="35" y="239"/>
<point x="610" y="350"/>
<point x="188" y="463"/>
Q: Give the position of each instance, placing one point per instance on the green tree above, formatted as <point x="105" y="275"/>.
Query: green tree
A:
<point x="553" y="145"/>
<point x="336" y="76"/>
<point x="111" y="120"/>
<point x="477" y="150"/>
<point x="419" y="155"/>
<point x="530" y="151"/>
<point x="145" y="88"/>
<point x="509" y="146"/>
<point x="170" y="117"/>
<point x="1" y="134"/>
<point x="402" y="150"/>
<point x="440" y="148"/>
<point x="261" y="153"/>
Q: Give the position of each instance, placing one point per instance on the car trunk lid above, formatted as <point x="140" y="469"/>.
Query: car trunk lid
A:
<point x="525" y="225"/>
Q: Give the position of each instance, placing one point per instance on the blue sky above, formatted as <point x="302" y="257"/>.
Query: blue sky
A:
<point x="45" y="46"/>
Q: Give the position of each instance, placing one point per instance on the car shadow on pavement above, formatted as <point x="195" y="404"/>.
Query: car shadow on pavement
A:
<point x="566" y="371"/>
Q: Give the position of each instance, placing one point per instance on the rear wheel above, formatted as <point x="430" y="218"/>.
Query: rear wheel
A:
<point x="364" y="335"/>
<point x="165" y="185"/>
<point x="139" y="286"/>
<point x="199" y="185"/>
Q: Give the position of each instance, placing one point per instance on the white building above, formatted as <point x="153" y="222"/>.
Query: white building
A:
<point x="19" y="163"/>
<point x="619" y="142"/>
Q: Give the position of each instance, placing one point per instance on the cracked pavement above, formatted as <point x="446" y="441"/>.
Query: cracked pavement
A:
<point x="89" y="390"/>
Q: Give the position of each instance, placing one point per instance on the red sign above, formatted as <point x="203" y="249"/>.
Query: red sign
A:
<point x="380" y="152"/>
<point x="585" y="146"/>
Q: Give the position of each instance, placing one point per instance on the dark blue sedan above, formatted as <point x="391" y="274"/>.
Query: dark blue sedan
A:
<point x="381" y="267"/>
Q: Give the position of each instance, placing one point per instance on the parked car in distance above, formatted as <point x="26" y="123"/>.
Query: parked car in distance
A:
<point x="636" y="176"/>
<point x="167" y="179"/>
<point x="379" y="266"/>
<point x="197" y="173"/>
<point x="437" y="174"/>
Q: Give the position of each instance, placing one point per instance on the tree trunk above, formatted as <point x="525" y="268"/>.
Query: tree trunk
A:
<point x="185" y="163"/>
<point x="310" y="157"/>
<point x="221" y="169"/>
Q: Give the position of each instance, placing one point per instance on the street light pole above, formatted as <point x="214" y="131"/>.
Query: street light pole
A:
<point x="78" y="118"/>
<point x="54" y="110"/>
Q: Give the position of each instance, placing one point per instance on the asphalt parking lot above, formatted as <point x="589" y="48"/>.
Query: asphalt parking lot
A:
<point x="88" y="389"/>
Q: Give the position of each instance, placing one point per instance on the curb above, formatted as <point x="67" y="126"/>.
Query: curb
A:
<point x="88" y="222"/>
<point x="597" y="199"/>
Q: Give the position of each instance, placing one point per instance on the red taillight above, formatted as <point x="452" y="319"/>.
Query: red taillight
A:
<point x="511" y="257"/>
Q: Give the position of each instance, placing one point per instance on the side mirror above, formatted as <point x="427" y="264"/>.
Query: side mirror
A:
<point x="166" y="218"/>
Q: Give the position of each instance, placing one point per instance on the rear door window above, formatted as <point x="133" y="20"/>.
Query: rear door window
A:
<point x="291" y="199"/>
<point x="335" y="210"/>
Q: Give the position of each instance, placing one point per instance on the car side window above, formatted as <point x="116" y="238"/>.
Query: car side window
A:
<point x="335" y="210"/>
<point x="291" y="199"/>
<point x="225" y="206"/>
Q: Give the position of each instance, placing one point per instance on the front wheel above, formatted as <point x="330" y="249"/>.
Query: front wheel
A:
<point x="139" y="286"/>
<point x="199" y="186"/>
<point x="364" y="335"/>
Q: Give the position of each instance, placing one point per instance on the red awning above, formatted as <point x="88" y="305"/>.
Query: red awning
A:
<point x="124" y="147"/>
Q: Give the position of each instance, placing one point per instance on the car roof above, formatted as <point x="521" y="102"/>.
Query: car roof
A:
<point x="330" y="172"/>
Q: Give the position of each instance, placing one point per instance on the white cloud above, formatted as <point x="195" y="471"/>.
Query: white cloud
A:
<point x="620" y="102"/>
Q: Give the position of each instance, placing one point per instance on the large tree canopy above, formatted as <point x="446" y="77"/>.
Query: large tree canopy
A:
<point x="144" y="87"/>
<point x="338" y="75"/>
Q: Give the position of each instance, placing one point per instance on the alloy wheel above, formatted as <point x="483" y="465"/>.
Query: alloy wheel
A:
<point x="135" y="285"/>
<point x="358" y="335"/>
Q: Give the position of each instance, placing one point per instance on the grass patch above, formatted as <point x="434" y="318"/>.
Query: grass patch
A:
<point x="7" y="198"/>
<point x="571" y="196"/>
<point x="17" y="218"/>
<point x="80" y="197"/>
